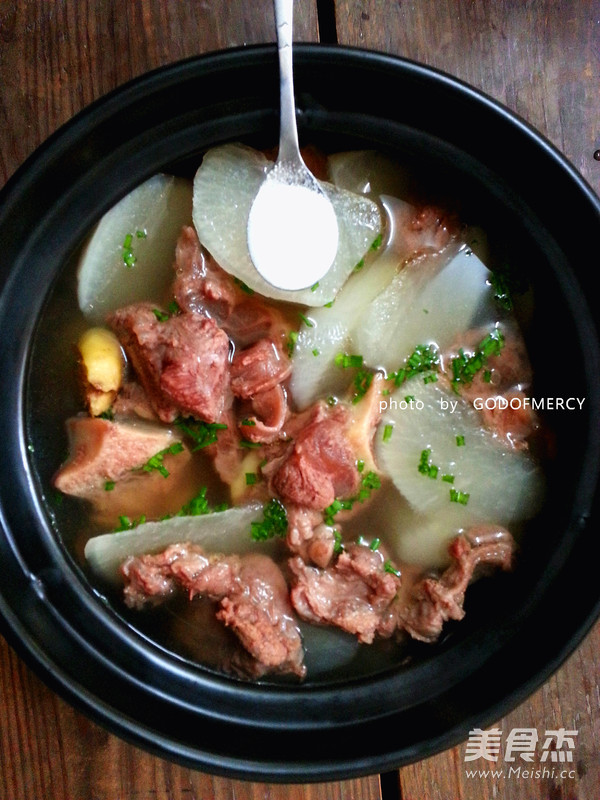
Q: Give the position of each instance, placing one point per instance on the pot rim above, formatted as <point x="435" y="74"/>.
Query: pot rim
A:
<point x="42" y="585"/>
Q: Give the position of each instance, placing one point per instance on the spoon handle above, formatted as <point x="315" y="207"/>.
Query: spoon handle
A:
<point x="289" y="150"/>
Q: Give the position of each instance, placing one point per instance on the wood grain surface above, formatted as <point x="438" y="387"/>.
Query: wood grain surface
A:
<point x="539" y="57"/>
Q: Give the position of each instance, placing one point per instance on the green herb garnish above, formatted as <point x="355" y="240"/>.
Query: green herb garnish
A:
<point x="338" y="545"/>
<point x="346" y="360"/>
<point x="274" y="522"/>
<point x="161" y="316"/>
<point x="425" y="466"/>
<point x="424" y="358"/>
<point x="387" y="432"/>
<point x="156" y="461"/>
<point x="129" y="258"/>
<point x="308" y="322"/>
<point x="202" y="434"/>
<point x="506" y="282"/>
<point x="377" y="242"/>
<point x="465" y="367"/>
<point x="362" y="381"/>
<point x="368" y="483"/>
<point x="291" y="342"/>
<point x="126" y="524"/>
<point x="198" y="506"/>
<point x="459" y="497"/>
<point x="244" y="287"/>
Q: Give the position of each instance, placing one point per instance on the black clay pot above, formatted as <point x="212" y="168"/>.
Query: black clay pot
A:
<point x="519" y="627"/>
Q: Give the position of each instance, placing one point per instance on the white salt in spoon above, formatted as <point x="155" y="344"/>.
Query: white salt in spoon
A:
<point x="292" y="227"/>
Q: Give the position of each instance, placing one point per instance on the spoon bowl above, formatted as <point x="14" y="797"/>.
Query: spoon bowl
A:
<point x="292" y="227"/>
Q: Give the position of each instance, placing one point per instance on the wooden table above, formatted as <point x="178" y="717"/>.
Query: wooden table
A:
<point x="539" y="57"/>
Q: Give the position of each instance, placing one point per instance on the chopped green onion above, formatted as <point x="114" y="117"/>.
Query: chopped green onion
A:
<point x="156" y="461"/>
<point x="291" y="344"/>
<point x="387" y="433"/>
<point x="274" y="522"/>
<point x="308" y="322"/>
<point x="244" y="287"/>
<point x="377" y="242"/>
<point x="203" y="434"/>
<point x="369" y="482"/>
<point x="465" y="367"/>
<point x="459" y="497"/>
<point x="126" y="524"/>
<point x="346" y="360"/>
<point x="425" y="467"/>
<point x="129" y="258"/>
<point x="338" y="545"/>
<point x="423" y="359"/>
<point x="391" y="569"/>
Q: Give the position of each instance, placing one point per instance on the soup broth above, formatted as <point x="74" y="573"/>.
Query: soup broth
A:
<point x="369" y="439"/>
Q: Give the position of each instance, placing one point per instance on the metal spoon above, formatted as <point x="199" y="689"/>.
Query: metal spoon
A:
<point x="292" y="228"/>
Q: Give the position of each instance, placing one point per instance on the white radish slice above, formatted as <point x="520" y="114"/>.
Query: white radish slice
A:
<point x="225" y="186"/>
<point x="328" y="333"/>
<point x="330" y="330"/>
<point x="129" y="256"/>
<point x="491" y="482"/>
<point x="423" y="539"/>
<point x="430" y="300"/>
<point x="220" y="532"/>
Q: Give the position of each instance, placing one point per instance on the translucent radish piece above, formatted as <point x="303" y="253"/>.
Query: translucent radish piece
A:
<point x="331" y="327"/>
<point x="430" y="300"/>
<point x="368" y="172"/>
<point x="225" y="186"/>
<point x="417" y="445"/>
<point x="220" y="532"/>
<point x="329" y="333"/>
<point x="423" y="539"/>
<point x="130" y="254"/>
